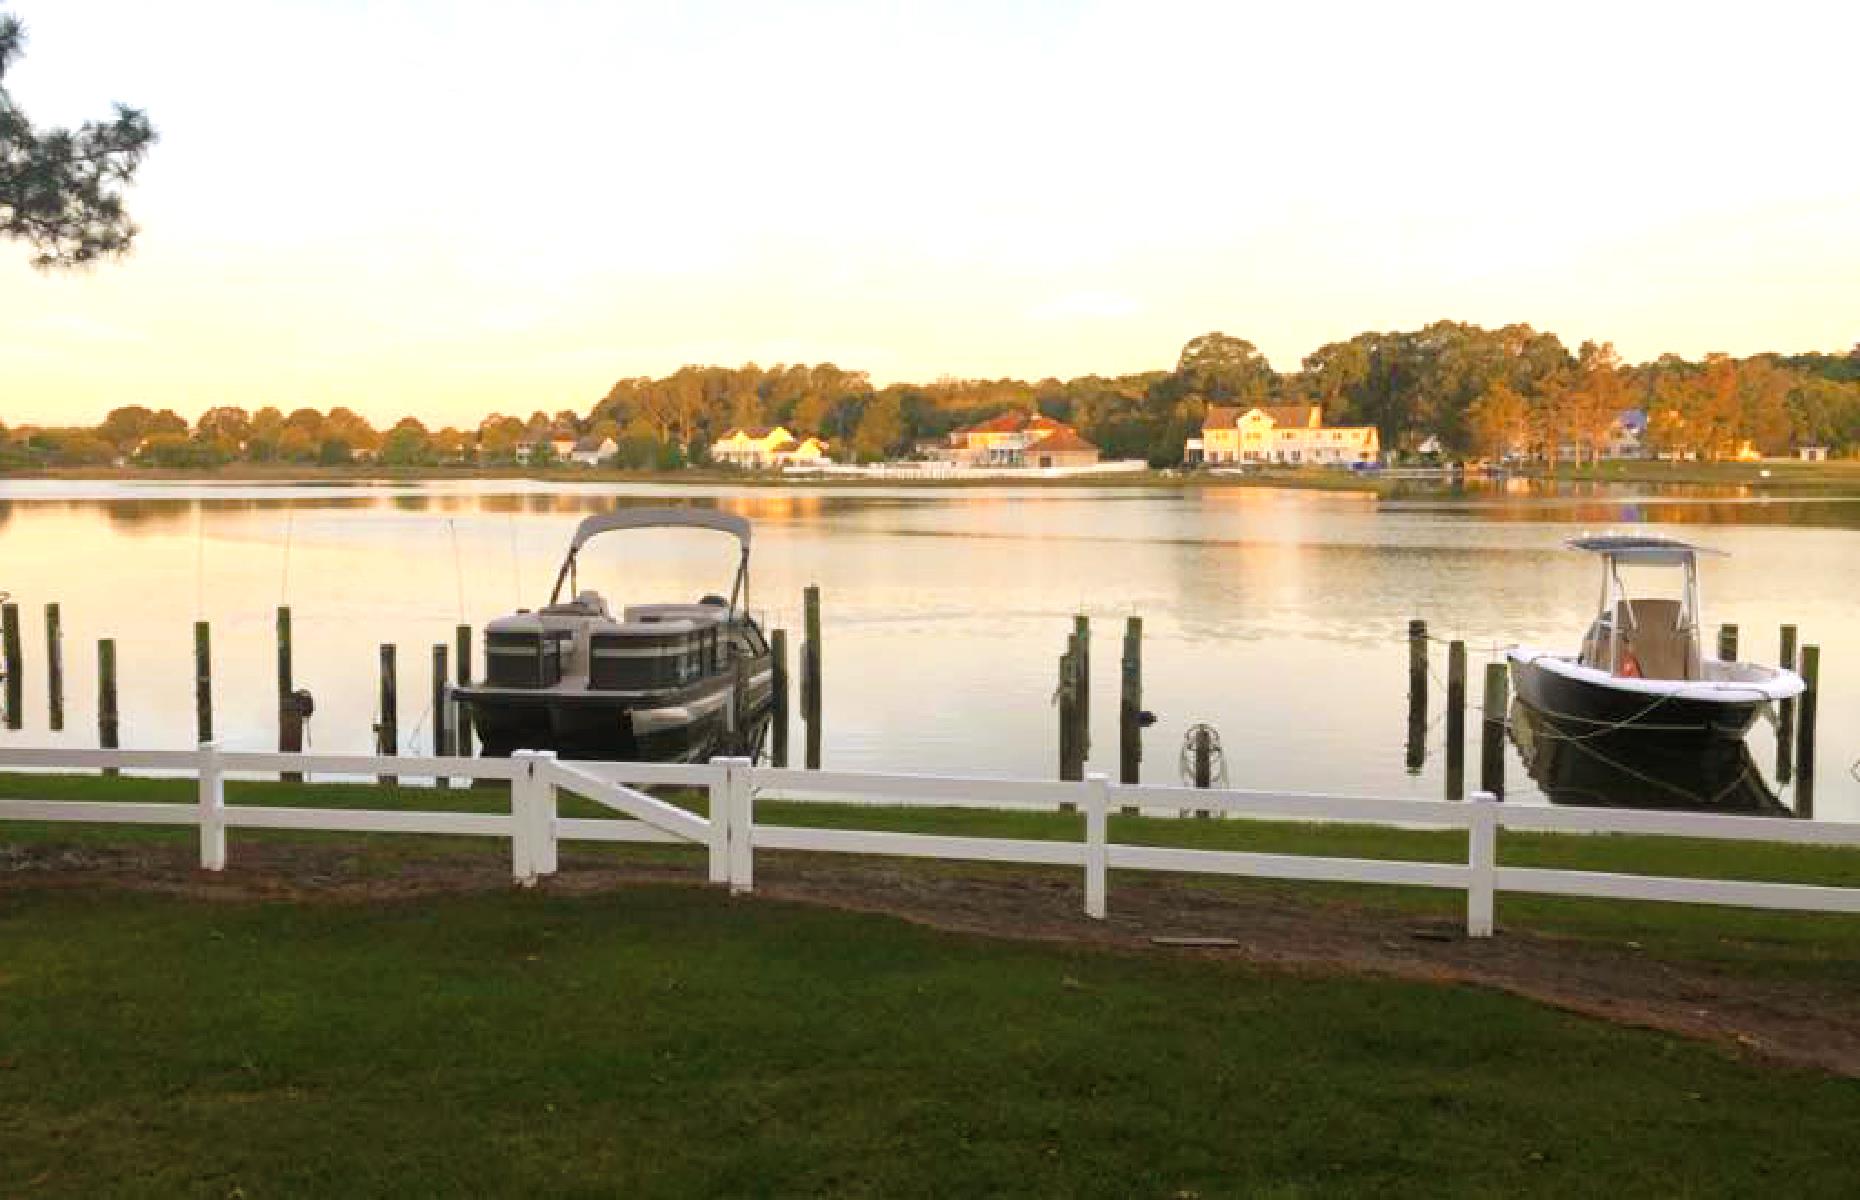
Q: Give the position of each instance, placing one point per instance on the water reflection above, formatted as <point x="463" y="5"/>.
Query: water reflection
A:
<point x="1627" y="771"/>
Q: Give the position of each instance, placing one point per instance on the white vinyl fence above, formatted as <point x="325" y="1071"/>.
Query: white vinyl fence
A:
<point x="731" y="834"/>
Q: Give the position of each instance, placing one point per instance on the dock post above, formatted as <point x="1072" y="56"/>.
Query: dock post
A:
<point x="461" y="724"/>
<point x="1130" y="708"/>
<point x="107" y="726"/>
<point x="1727" y="643"/>
<point x="1081" y="630"/>
<point x="387" y="732"/>
<point x="54" y="668"/>
<point x="290" y="715"/>
<point x="810" y="673"/>
<point x="1492" y="729"/>
<point x="203" y="683"/>
<point x="15" y="665"/>
<point x="442" y="713"/>
<point x="1805" y="733"/>
<point x="1204" y="760"/>
<point x="1456" y="720"/>
<point x="1068" y="718"/>
<point x="778" y="649"/>
<point x="1785" y="714"/>
<point x="1417" y="696"/>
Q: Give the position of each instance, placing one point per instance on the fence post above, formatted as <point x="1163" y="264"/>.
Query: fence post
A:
<point x="523" y="818"/>
<point x="542" y="812"/>
<point x="742" y="827"/>
<point x="720" y="817"/>
<point x="1482" y="863"/>
<point x="212" y="809"/>
<point x="1097" y="852"/>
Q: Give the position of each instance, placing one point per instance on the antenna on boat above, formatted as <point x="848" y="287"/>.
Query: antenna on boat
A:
<point x="284" y="578"/>
<point x="458" y="571"/>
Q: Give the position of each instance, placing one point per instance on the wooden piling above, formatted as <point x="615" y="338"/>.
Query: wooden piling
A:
<point x="810" y="673"/>
<point x="1727" y="643"/>
<point x="1071" y="761"/>
<point x="387" y="732"/>
<point x="1785" y="712"/>
<point x="461" y="723"/>
<point x="442" y="711"/>
<point x="15" y="665"/>
<point x="1204" y="761"/>
<point x="778" y="651"/>
<point x="1805" y="733"/>
<point x="54" y="668"/>
<point x="203" y="683"/>
<point x="1417" y="696"/>
<point x="1496" y="702"/>
<point x="1456" y="720"/>
<point x="290" y="713"/>
<point x="1130" y="707"/>
<point x="1081" y="633"/>
<point x="107" y="726"/>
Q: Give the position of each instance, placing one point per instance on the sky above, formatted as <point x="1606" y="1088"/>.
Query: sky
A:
<point x="446" y="208"/>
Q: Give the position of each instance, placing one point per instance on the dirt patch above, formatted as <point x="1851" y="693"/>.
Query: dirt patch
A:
<point x="1784" y="1021"/>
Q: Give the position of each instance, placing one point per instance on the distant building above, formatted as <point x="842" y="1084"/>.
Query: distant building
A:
<point x="592" y="452"/>
<point x="1019" y="440"/>
<point x="767" y="447"/>
<point x="1812" y="453"/>
<point x="1280" y="435"/>
<point x="808" y="452"/>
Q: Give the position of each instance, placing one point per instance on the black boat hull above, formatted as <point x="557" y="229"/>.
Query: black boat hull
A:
<point x="1579" y="707"/>
<point x="593" y="727"/>
<point x="1626" y="770"/>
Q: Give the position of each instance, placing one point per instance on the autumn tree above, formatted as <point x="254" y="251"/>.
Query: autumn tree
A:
<point x="881" y="428"/>
<point x="61" y="190"/>
<point x="1499" y="421"/>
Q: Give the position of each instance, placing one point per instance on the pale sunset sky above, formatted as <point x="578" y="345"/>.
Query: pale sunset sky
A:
<point x="450" y="208"/>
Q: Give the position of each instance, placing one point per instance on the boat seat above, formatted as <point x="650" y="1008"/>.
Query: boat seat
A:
<point x="1665" y="648"/>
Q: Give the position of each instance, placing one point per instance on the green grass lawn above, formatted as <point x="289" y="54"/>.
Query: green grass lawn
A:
<point x="1810" y="946"/>
<point x="666" y="1040"/>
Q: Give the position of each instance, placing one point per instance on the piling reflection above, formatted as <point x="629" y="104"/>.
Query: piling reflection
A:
<point x="1617" y="771"/>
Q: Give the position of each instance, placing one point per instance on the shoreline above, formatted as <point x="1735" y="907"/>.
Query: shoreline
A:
<point x="1759" y="477"/>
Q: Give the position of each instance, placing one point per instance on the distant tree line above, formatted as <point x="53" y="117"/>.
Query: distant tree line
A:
<point x="1454" y="387"/>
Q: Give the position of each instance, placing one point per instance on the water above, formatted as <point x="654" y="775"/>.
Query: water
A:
<point x="1277" y="616"/>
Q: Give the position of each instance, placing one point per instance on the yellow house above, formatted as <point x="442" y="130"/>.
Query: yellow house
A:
<point x="1293" y="434"/>
<point x="809" y="452"/>
<point x="750" y="447"/>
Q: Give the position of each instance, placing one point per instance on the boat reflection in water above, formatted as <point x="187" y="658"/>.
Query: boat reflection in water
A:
<point x="1616" y="771"/>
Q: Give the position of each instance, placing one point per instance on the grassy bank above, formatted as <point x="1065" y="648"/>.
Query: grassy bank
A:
<point x="667" y="1041"/>
<point x="1820" y="948"/>
<point x="1762" y="476"/>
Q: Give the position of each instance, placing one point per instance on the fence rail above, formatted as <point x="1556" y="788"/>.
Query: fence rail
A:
<point x="533" y="826"/>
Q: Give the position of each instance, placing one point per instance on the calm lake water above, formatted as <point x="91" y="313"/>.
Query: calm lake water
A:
<point x="1277" y="616"/>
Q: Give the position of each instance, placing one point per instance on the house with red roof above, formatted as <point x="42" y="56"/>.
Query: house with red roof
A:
<point x="1015" y="439"/>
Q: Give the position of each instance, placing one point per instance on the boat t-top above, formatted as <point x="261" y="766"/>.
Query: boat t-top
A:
<point x="1640" y="670"/>
<point x="660" y="682"/>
